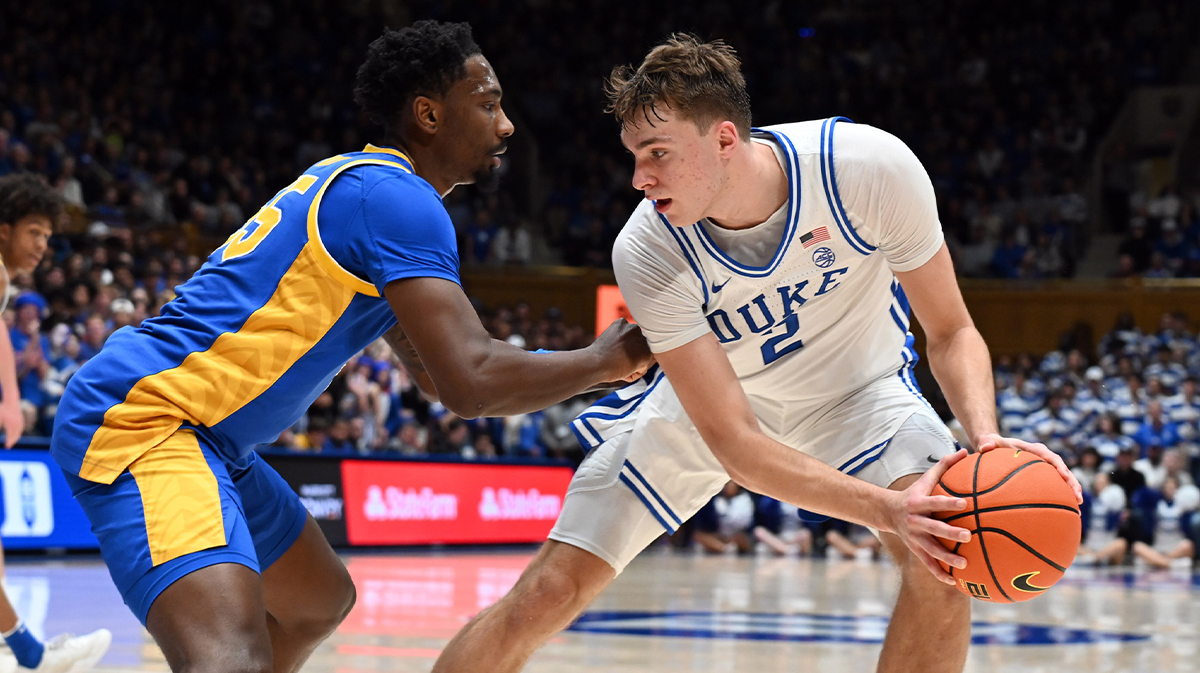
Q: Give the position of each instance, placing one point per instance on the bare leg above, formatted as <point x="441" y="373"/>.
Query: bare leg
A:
<point x="8" y="615"/>
<point x="1153" y="557"/>
<point x="931" y="623"/>
<point x="1114" y="552"/>
<point x="1185" y="549"/>
<point x="711" y="542"/>
<point x="213" y="621"/>
<point x="552" y="591"/>
<point x="771" y="540"/>
<point x="742" y="540"/>
<point x="307" y="593"/>
<point x="841" y="543"/>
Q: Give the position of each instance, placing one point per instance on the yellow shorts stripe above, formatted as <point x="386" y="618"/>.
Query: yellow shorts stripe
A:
<point x="180" y="498"/>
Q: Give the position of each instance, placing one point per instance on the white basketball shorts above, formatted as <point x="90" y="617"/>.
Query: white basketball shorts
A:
<point x="649" y="469"/>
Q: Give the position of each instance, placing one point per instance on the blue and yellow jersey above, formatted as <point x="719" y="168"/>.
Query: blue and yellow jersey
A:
<point x="259" y="331"/>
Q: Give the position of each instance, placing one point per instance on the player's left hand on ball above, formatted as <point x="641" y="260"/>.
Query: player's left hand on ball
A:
<point x="990" y="441"/>
<point x="914" y="524"/>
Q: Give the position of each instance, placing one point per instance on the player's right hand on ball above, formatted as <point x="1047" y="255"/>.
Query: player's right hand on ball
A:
<point x="624" y="350"/>
<point x="914" y="525"/>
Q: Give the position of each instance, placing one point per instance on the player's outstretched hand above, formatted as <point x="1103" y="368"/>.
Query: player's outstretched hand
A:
<point x="990" y="441"/>
<point x="911" y="520"/>
<point x="12" y="421"/>
<point x="625" y="349"/>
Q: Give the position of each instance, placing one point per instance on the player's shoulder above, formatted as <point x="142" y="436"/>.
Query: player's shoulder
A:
<point x="644" y="227"/>
<point x="646" y="239"/>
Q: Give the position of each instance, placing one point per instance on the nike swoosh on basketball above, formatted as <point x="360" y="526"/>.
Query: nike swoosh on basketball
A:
<point x="1021" y="583"/>
<point x="717" y="288"/>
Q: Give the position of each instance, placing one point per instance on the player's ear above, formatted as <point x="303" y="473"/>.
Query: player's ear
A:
<point x="5" y="232"/>
<point x="427" y="113"/>
<point x="727" y="137"/>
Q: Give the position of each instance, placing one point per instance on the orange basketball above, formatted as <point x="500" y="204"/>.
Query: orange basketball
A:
<point x="1024" y="524"/>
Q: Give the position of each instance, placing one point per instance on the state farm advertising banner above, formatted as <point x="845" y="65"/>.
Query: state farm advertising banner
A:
<point x="450" y="503"/>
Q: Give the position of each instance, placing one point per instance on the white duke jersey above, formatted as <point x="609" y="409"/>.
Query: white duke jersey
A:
<point x="821" y="314"/>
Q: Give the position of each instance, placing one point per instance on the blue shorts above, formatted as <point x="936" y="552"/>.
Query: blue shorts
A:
<point x="180" y="508"/>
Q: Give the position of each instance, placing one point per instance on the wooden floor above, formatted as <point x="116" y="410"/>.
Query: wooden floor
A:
<point x="681" y="612"/>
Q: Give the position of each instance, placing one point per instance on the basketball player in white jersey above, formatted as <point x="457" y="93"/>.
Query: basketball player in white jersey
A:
<point x="771" y="272"/>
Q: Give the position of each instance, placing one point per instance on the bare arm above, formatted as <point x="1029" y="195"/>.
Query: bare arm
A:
<point x="957" y="353"/>
<point x="407" y="353"/>
<point x="11" y="418"/>
<point x="475" y="375"/>
<point x="960" y="360"/>
<point x="709" y="390"/>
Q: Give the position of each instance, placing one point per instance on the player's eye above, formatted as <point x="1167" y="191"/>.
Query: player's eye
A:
<point x="658" y="154"/>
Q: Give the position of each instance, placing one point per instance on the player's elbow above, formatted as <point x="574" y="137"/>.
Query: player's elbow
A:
<point x="465" y="403"/>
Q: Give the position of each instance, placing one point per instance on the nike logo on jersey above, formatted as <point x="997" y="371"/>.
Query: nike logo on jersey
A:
<point x="717" y="288"/>
<point x="931" y="459"/>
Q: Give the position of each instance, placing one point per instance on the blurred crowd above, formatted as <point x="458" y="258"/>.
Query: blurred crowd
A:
<point x="1126" y="418"/>
<point x="1162" y="236"/>
<point x="184" y="118"/>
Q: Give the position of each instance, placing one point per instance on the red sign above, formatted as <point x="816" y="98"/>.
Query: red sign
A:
<point x="426" y="503"/>
<point x="610" y="305"/>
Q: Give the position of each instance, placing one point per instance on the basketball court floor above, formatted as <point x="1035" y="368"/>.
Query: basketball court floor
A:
<point x="681" y="612"/>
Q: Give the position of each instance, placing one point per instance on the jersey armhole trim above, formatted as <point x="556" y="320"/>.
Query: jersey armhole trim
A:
<point x="326" y="260"/>
<point x="831" y="190"/>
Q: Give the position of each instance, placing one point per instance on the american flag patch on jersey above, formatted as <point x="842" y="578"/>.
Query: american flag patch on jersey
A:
<point x="815" y="236"/>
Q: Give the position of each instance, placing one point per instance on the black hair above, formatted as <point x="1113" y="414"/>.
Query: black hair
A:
<point x="424" y="59"/>
<point x="25" y="194"/>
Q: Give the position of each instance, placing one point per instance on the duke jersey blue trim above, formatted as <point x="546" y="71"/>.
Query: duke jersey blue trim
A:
<point x="685" y="246"/>
<point x="831" y="189"/>
<point x="792" y="168"/>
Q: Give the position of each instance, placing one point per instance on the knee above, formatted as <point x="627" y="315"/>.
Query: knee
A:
<point x="229" y="658"/>
<point x="329" y="613"/>
<point x="547" y="595"/>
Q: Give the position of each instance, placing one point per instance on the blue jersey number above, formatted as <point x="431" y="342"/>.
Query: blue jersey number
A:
<point x="782" y="344"/>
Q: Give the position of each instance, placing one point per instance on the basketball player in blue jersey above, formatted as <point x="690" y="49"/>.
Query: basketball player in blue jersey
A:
<point x="28" y="208"/>
<point x="772" y="271"/>
<point x="207" y="545"/>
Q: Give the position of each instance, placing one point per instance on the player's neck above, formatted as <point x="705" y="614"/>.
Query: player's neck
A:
<point x="424" y="162"/>
<point x="757" y="187"/>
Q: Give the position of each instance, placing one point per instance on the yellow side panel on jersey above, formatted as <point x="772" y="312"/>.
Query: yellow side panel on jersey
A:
<point x="180" y="498"/>
<point x="210" y="385"/>
<point x="327" y="261"/>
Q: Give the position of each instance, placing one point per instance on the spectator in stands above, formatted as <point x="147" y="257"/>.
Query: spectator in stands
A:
<point x="1124" y="475"/>
<point x="723" y="526"/>
<point x="1087" y="467"/>
<point x="337" y="441"/>
<point x="1156" y="430"/>
<point x="410" y="440"/>
<point x="1108" y="441"/>
<point x="779" y="529"/>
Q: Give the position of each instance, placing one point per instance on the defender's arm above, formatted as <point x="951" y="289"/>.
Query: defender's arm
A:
<point x="404" y="350"/>
<point x="475" y="375"/>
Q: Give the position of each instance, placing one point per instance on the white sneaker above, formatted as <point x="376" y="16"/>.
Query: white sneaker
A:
<point x="8" y="662"/>
<point x="73" y="654"/>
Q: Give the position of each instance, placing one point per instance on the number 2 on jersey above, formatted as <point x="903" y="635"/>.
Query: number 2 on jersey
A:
<point x="782" y="344"/>
<point x="246" y="239"/>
